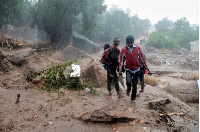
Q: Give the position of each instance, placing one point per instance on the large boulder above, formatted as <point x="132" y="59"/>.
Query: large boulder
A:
<point x="190" y="76"/>
<point x="185" y="91"/>
<point x="19" y="57"/>
<point x="91" y="70"/>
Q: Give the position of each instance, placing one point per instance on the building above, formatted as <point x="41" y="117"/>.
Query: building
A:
<point x="194" y="46"/>
<point x="194" y="27"/>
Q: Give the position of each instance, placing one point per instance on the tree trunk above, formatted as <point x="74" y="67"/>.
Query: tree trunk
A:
<point x="71" y="35"/>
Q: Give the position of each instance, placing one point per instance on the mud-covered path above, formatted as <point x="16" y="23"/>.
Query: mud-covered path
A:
<point x="49" y="112"/>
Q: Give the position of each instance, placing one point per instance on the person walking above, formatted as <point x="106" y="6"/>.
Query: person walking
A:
<point x="133" y="54"/>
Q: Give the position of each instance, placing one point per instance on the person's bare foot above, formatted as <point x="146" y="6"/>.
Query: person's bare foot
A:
<point x="127" y="93"/>
<point x="110" y="94"/>
<point x="119" y="95"/>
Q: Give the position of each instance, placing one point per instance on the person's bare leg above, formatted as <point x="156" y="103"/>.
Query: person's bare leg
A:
<point x="110" y="94"/>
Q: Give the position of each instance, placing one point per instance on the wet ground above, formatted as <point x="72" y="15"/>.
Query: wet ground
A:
<point x="52" y="112"/>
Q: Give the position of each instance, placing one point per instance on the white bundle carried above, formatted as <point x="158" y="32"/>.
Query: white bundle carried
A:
<point x="76" y="71"/>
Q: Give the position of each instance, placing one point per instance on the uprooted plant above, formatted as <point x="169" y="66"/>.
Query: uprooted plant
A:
<point x="58" y="76"/>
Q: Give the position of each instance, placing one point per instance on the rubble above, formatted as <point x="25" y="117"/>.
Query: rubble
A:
<point x="19" y="57"/>
<point x="4" y="64"/>
<point x="11" y="43"/>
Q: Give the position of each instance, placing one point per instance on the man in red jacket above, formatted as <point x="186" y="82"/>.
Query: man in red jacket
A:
<point x="132" y="54"/>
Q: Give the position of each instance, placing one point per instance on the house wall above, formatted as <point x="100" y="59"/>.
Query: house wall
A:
<point x="194" y="46"/>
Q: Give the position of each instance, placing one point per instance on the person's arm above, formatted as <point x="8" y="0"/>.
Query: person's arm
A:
<point x="120" y="62"/>
<point x="143" y="58"/>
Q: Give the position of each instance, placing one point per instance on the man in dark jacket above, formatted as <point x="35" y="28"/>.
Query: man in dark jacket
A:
<point x="114" y="63"/>
<point x="133" y="54"/>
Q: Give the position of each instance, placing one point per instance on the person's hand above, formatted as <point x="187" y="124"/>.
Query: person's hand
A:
<point x="120" y="74"/>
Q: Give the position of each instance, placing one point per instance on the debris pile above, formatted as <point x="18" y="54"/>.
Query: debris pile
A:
<point x="11" y="43"/>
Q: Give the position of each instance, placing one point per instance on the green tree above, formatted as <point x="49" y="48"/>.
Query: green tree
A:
<point x="139" y="26"/>
<point x="181" y="24"/>
<point x="10" y="11"/>
<point x="178" y="37"/>
<point x="163" y="24"/>
<point x="89" y="16"/>
<point x="160" y="40"/>
<point x="57" y="17"/>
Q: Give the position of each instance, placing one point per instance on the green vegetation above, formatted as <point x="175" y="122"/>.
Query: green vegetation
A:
<point x="59" y="17"/>
<point x="56" y="77"/>
<point x="13" y="11"/>
<point x="91" y="19"/>
<point x="114" y="23"/>
<point x="173" y="35"/>
<point x="56" y="17"/>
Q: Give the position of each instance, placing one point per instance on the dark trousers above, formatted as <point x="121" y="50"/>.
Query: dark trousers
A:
<point x="141" y="75"/>
<point x="132" y="80"/>
<point x="110" y="79"/>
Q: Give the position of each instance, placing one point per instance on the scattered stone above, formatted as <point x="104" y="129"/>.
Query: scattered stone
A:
<point x="104" y="116"/>
<point x="159" y="103"/>
<point x="36" y="80"/>
<point x="190" y="76"/>
<point x="17" y="101"/>
<point x="19" y="57"/>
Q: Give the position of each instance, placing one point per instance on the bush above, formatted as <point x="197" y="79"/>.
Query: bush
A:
<point x="54" y="79"/>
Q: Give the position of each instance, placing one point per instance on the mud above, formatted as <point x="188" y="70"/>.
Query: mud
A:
<point x="44" y="111"/>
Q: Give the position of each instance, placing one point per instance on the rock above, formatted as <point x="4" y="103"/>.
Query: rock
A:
<point x="103" y="115"/>
<point x="155" y="104"/>
<point x="4" y="64"/>
<point x="19" y="57"/>
<point x="91" y="70"/>
<point x="185" y="91"/>
<point x="190" y="76"/>
<point x="72" y="53"/>
<point x="36" y="80"/>
<point x="149" y="80"/>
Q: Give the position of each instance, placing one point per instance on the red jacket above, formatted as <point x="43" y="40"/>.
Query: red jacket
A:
<point x="132" y="59"/>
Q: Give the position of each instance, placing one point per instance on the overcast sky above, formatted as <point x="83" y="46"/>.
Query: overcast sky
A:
<point x="156" y="10"/>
